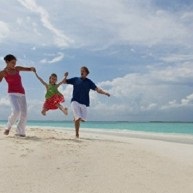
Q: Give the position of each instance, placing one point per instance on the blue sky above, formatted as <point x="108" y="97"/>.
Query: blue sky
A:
<point x="140" y="51"/>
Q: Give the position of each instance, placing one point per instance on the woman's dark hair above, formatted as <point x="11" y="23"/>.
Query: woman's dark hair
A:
<point x="86" y="69"/>
<point x="9" y="57"/>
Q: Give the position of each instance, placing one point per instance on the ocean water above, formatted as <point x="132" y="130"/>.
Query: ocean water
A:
<point x="120" y="126"/>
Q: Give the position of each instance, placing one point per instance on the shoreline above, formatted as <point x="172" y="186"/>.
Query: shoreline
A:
<point x="167" y="137"/>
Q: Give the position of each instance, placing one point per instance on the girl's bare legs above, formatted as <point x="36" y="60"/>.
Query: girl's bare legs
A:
<point x="63" y="109"/>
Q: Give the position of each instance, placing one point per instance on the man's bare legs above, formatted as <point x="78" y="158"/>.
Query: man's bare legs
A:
<point x="77" y="126"/>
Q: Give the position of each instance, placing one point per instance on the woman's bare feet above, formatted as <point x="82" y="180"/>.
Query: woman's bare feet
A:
<point x="6" y="132"/>
<point x="20" y="135"/>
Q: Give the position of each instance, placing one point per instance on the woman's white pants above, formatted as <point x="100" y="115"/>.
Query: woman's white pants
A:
<point x="19" y="113"/>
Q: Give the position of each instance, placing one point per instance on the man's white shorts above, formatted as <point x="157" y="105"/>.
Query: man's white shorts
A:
<point x="79" y="111"/>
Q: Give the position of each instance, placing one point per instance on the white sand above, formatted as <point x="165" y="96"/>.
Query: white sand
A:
<point x="52" y="161"/>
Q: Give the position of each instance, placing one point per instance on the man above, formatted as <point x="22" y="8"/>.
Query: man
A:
<point x="80" y="98"/>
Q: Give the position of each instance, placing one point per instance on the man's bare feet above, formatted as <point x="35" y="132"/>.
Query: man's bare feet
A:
<point x="77" y="135"/>
<point x="6" y="132"/>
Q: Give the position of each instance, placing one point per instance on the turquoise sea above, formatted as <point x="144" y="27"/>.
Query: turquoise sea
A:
<point x="147" y="127"/>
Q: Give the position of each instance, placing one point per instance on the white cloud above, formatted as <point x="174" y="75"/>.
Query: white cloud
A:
<point x="188" y="100"/>
<point x="99" y="24"/>
<point x="152" y="28"/>
<point x="4" y="102"/>
<point x="59" y="57"/>
<point x="179" y="73"/>
<point x="178" y="58"/>
<point x="184" y="102"/>
<point x="59" y="37"/>
<point x="128" y="22"/>
<point x="4" y="30"/>
<point x="148" y="92"/>
<point x="66" y="90"/>
<point x="149" y="107"/>
<point x="187" y="16"/>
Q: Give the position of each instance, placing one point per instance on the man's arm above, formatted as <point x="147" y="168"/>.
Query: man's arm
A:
<point x="100" y="91"/>
<point x="64" y="80"/>
<point x="65" y="77"/>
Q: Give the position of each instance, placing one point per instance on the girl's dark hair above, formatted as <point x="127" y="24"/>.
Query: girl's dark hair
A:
<point x="52" y="75"/>
<point x="9" y="57"/>
<point x="86" y="69"/>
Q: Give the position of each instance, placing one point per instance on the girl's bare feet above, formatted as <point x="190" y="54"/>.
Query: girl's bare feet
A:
<point x="65" y="110"/>
<point x="43" y="112"/>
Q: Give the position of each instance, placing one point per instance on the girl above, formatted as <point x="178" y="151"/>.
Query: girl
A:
<point x="53" y="96"/>
<point x="16" y="94"/>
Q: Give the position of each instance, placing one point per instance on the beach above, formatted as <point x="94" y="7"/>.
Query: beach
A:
<point x="53" y="161"/>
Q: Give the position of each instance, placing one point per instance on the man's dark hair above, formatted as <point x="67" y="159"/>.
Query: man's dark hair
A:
<point x="86" y="69"/>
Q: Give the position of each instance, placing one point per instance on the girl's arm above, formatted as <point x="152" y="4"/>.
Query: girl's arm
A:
<point x="41" y="80"/>
<point x="21" y="68"/>
<point x="64" y="80"/>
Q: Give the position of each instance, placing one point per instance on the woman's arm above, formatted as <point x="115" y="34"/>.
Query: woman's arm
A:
<point x="21" y="68"/>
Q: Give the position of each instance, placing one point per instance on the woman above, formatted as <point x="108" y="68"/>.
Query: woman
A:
<point x="16" y="94"/>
